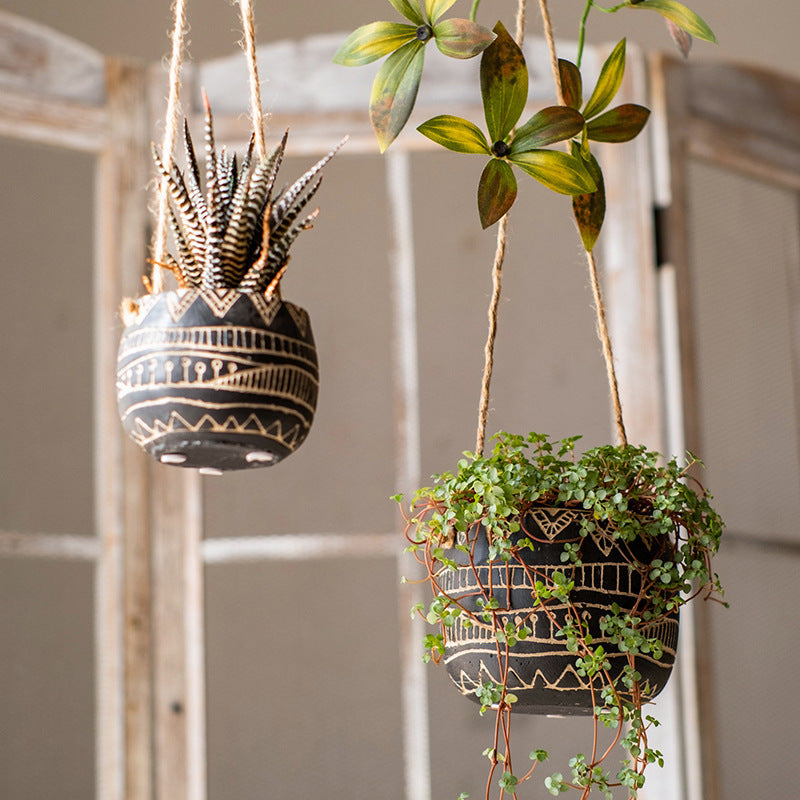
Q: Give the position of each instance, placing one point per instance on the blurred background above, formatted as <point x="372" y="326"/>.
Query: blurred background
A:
<point x="302" y="669"/>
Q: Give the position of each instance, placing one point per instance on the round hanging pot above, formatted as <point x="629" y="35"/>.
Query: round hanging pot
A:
<point x="541" y="670"/>
<point x="217" y="379"/>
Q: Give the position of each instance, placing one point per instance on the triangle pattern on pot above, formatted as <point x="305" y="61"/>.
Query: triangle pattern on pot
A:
<point x="300" y="317"/>
<point x="552" y="525"/>
<point x="267" y="307"/>
<point x="179" y="302"/>
<point x="220" y="301"/>
<point x="603" y="539"/>
<point x="144" y="434"/>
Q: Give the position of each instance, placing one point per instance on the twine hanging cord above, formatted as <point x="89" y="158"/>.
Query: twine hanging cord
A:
<point x="602" y="326"/>
<point x="168" y="144"/>
<point x="497" y="269"/>
<point x="248" y="44"/>
<point x="497" y="285"/>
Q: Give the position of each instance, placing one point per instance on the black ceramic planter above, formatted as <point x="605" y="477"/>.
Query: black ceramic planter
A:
<point x="542" y="672"/>
<point x="217" y="380"/>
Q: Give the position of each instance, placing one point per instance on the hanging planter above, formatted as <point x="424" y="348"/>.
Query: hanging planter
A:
<point x="556" y="578"/>
<point x="540" y="670"/>
<point x="221" y="373"/>
<point x="218" y="378"/>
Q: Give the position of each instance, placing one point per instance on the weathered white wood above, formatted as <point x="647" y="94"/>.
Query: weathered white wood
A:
<point x="298" y="547"/>
<point x="740" y="119"/>
<point x="52" y="121"/>
<point x="44" y="63"/>
<point x="65" y="546"/>
<point x="742" y="149"/>
<point x="682" y="700"/>
<point x="745" y="118"/>
<point x="408" y="444"/>
<point x="52" y="88"/>
<point x="122" y="594"/>
<point x="178" y="632"/>
<point x="629" y="271"/>
<point x="299" y="77"/>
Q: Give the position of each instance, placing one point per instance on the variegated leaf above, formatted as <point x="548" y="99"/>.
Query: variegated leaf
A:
<point x="497" y="190"/>
<point x="558" y="171"/>
<point x="460" y="38"/>
<point x="455" y="134"/>
<point x="394" y="92"/>
<point x="371" y="42"/>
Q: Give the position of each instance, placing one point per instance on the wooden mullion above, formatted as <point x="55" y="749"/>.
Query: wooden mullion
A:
<point x="178" y="658"/>
<point x="672" y="94"/>
<point x="124" y="727"/>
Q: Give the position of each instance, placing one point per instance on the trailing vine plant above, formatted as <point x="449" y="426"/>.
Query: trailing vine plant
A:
<point x="664" y="527"/>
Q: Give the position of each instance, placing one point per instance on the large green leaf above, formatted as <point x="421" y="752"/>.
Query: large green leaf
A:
<point x="456" y="134"/>
<point x="571" y="83"/>
<point x="460" y="38"/>
<point x="553" y="124"/>
<point x="370" y="42"/>
<point x="394" y="91"/>
<point x="683" y="17"/>
<point x="608" y="83"/>
<point x="558" y="171"/>
<point x="589" y="209"/>
<point x="504" y="84"/>
<point x="435" y="8"/>
<point x="497" y="190"/>
<point x="621" y="124"/>
<point x="410" y="10"/>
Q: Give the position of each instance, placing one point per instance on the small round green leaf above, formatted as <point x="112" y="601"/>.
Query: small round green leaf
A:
<point x="435" y="8"/>
<point x="504" y="84"/>
<point x="558" y="171"/>
<point x="590" y="208"/>
<point x="552" y="124"/>
<point x="409" y="10"/>
<point x="371" y="42"/>
<point x="497" y="190"/>
<point x="683" y="17"/>
<point x="621" y="124"/>
<point x="394" y="91"/>
<point x="455" y="134"/>
<point x="460" y="38"/>
<point x="571" y="83"/>
<point x="608" y="83"/>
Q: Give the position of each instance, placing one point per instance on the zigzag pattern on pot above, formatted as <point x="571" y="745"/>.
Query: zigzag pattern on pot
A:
<point x="144" y="434"/>
<point x="568" y="680"/>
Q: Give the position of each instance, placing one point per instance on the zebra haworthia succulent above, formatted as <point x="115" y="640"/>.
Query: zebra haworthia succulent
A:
<point x="237" y="233"/>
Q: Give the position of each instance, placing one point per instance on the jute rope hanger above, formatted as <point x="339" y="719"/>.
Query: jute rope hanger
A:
<point x="248" y="44"/>
<point x="497" y="270"/>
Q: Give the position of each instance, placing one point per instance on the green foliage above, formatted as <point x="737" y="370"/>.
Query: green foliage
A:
<point x="394" y="90"/>
<point x="632" y="492"/>
<point x="504" y="90"/>
<point x="675" y="12"/>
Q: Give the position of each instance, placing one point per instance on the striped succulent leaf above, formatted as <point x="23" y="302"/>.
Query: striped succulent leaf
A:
<point x="236" y="233"/>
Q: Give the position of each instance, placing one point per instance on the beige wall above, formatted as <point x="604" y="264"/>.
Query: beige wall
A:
<point x="333" y="727"/>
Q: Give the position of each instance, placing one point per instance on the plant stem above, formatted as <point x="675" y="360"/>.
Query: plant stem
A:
<point x="582" y="32"/>
<point x="473" y="12"/>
